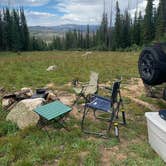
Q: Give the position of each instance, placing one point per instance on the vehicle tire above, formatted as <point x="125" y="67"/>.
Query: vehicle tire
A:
<point x="149" y="67"/>
<point x="164" y="94"/>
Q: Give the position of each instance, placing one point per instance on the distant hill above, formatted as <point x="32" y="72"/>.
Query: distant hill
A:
<point x="63" y="28"/>
<point x="47" y="32"/>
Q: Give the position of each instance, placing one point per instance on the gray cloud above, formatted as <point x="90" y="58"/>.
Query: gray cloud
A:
<point x="74" y="11"/>
<point x="24" y="2"/>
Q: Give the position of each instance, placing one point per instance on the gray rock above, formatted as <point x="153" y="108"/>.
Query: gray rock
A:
<point x="52" y="68"/>
<point x="27" y="91"/>
<point x="23" y="115"/>
<point x="66" y="98"/>
<point x="51" y="97"/>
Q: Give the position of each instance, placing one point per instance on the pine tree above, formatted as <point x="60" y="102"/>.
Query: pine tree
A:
<point x="1" y="32"/>
<point x="24" y="31"/>
<point x="155" y="18"/>
<point x="140" y="29"/>
<point x="16" y="38"/>
<point x="75" y="39"/>
<point x="126" y="33"/>
<point x="87" y="38"/>
<point x="82" y="40"/>
<point x="118" y="27"/>
<point x="149" y="23"/>
<point x="137" y="32"/>
<point x="7" y="29"/>
<point x="161" y="19"/>
<point x="104" y="31"/>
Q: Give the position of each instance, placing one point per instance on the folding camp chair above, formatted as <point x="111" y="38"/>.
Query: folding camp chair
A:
<point x="110" y="106"/>
<point x="86" y="90"/>
<point x="53" y="111"/>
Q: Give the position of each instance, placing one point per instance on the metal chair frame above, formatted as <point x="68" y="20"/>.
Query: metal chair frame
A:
<point x="116" y="101"/>
<point x="82" y="94"/>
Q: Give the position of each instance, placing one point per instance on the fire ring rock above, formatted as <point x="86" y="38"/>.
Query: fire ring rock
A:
<point x="23" y="115"/>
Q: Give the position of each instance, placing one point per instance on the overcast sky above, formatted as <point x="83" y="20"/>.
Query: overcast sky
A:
<point x="57" y="12"/>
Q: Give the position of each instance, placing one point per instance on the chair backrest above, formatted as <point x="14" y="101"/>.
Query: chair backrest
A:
<point x="115" y="91"/>
<point x="93" y="84"/>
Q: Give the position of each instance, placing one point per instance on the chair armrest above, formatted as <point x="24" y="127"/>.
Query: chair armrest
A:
<point x="105" y="88"/>
<point x="84" y="85"/>
<point x="108" y="88"/>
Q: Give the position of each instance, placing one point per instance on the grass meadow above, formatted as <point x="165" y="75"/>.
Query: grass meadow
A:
<point x="32" y="147"/>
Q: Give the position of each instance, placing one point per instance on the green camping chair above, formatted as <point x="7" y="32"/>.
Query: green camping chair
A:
<point x="54" y="111"/>
<point x="86" y="90"/>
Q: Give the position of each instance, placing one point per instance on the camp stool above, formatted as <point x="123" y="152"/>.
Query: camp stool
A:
<point x="111" y="106"/>
<point x="53" y="111"/>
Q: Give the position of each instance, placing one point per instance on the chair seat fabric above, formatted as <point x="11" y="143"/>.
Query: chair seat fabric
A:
<point x="100" y="103"/>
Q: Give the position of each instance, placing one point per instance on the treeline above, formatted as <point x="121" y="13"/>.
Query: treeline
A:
<point x="14" y="33"/>
<point x="127" y="33"/>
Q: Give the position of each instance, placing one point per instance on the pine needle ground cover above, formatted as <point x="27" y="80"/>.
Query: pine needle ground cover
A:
<point x="33" y="147"/>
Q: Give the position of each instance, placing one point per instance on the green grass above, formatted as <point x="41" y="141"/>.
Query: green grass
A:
<point x="29" y="69"/>
<point x="32" y="146"/>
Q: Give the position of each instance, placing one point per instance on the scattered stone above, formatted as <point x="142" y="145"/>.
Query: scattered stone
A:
<point x="8" y="100"/>
<point x="67" y="98"/>
<point x="23" y="113"/>
<point x="87" y="53"/>
<point x="27" y="91"/>
<point x="50" y="86"/>
<point x="51" y="97"/>
<point x="52" y="68"/>
<point x="6" y="103"/>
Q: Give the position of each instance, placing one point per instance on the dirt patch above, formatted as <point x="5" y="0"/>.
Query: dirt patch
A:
<point x="134" y="90"/>
<point x="82" y="157"/>
<point x="66" y="98"/>
<point x="145" y="104"/>
<point x="116" y="152"/>
<point x="75" y="112"/>
<point x="50" y="86"/>
<point x="106" y="157"/>
<point x="121" y="156"/>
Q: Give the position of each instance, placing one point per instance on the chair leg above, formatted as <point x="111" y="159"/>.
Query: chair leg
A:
<point x="118" y="109"/>
<point x="94" y="114"/>
<point x="77" y="99"/>
<point x="43" y="123"/>
<point x="111" y="121"/>
<point x="83" y="118"/>
<point x="124" y="117"/>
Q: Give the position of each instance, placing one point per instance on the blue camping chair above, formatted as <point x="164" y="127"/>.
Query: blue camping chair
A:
<point x="110" y="106"/>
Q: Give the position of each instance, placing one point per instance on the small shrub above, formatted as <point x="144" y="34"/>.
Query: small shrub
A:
<point x="23" y="163"/>
<point x="7" y="128"/>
